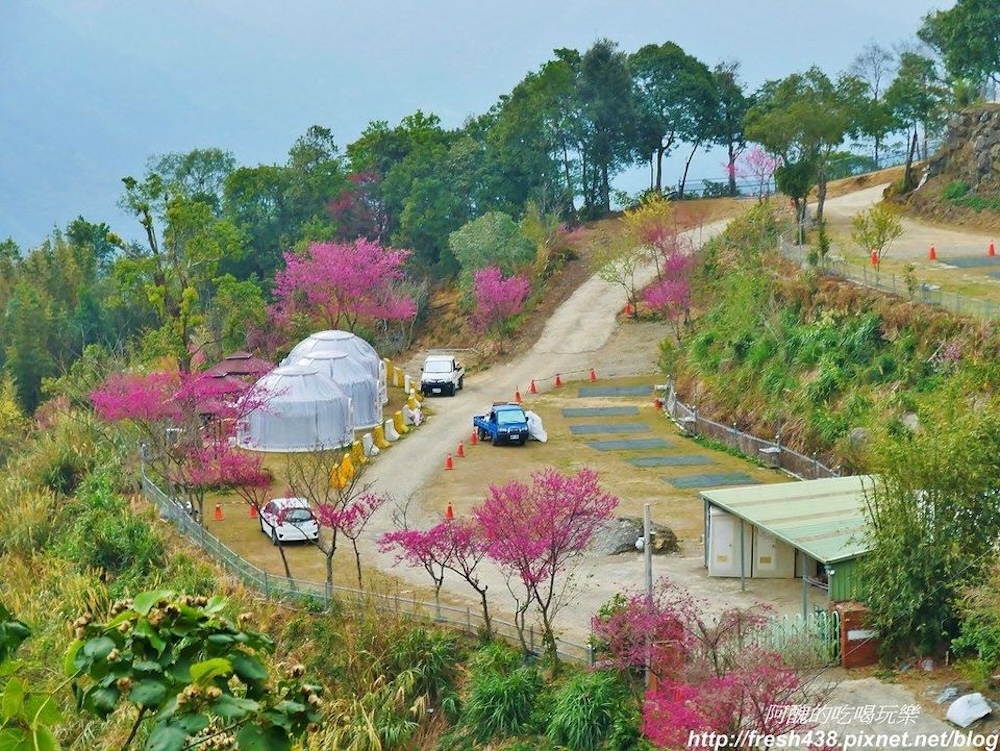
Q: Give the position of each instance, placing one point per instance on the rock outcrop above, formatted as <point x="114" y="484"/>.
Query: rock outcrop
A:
<point x="971" y="150"/>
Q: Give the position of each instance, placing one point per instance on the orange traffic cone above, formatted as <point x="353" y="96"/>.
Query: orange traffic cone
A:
<point x="475" y="437"/>
<point x="532" y="389"/>
<point x="461" y="449"/>
<point x="628" y="308"/>
<point x="993" y="249"/>
<point x="558" y="381"/>
<point x="517" y="397"/>
<point x="874" y="258"/>
<point x="253" y="511"/>
<point x="218" y="512"/>
<point x="593" y="375"/>
<point x="449" y="512"/>
<point x="932" y="254"/>
<point x="449" y="463"/>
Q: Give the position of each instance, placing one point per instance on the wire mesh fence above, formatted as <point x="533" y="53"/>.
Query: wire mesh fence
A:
<point x="895" y="284"/>
<point x="324" y="596"/>
<point x="770" y="453"/>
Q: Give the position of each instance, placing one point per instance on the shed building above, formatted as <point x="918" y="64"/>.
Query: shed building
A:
<point x="814" y="530"/>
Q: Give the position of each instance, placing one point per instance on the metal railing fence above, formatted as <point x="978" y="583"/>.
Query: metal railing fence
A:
<point x="770" y="453"/>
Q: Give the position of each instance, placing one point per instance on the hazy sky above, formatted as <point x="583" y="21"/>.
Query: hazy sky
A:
<point x="90" y="89"/>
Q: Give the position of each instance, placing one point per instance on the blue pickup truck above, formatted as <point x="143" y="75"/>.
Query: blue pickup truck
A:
<point x="504" y="423"/>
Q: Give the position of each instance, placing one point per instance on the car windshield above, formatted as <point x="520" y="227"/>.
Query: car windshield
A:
<point x="509" y="416"/>
<point x="437" y="366"/>
<point x="297" y="515"/>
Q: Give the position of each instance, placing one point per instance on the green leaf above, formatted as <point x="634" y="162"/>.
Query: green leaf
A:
<point x="147" y="666"/>
<point x="43" y="709"/>
<point x="255" y="738"/>
<point x="44" y="739"/>
<point x="191" y="723"/>
<point x="148" y="693"/>
<point x="99" y="648"/>
<point x="248" y="668"/>
<point x="102" y="699"/>
<point x="233" y="707"/>
<point x="14" y="739"/>
<point x="12" y="700"/>
<point x="70" y="665"/>
<point x="145" y="629"/>
<point x="215" y="605"/>
<point x="221" y="640"/>
<point x="145" y="601"/>
<point x="166" y="738"/>
<point x="208" y="670"/>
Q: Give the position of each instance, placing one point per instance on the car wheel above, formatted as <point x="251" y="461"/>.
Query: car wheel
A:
<point x="522" y="441"/>
<point x="274" y="537"/>
<point x="451" y="390"/>
<point x="482" y="434"/>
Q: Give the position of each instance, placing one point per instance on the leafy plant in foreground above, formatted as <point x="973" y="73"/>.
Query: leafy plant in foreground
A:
<point x="177" y="662"/>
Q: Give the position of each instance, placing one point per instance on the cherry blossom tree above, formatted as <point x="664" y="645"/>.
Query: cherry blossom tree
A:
<point x="536" y="532"/>
<point x="183" y="422"/>
<point x="758" y="166"/>
<point x="339" y="497"/>
<point x="337" y="285"/>
<point x="350" y="519"/>
<point x="453" y="545"/>
<point x="497" y="300"/>
<point x="670" y="296"/>
<point x="710" y="675"/>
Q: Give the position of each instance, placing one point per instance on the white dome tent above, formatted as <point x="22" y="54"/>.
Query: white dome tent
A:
<point x="343" y="341"/>
<point x="356" y="381"/>
<point x="301" y="410"/>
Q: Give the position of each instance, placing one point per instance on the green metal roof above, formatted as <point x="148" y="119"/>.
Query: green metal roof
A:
<point x="823" y="518"/>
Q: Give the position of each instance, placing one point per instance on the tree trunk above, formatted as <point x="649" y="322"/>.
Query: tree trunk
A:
<point x="487" y="623"/>
<point x="659" y="167"/>
<point x="878" y="143"/>
<point x="687" y="166"/>
<point x="908" y="169"/>
<point x="820" y="191"/>
<point x="357" y="561"/>
<point x="732" y="170"/>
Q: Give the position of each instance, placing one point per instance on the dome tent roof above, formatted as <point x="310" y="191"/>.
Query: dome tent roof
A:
<point x="355" y="379"/>
<point x="322" y="342"/>
<point x="302" y="410"/>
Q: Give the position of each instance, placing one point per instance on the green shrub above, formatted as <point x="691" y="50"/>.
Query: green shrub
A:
<point x="584" y="710"/>
<point x="501" y="706"/>
<point x="955" y="189"/>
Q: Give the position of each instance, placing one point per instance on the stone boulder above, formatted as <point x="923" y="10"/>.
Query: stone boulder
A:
<point x="620" y="535"/>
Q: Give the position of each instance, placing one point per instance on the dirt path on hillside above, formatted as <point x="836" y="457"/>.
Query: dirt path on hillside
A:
<point x="917" y="237"/>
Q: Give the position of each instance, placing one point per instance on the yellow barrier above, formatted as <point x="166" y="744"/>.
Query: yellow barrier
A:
<point x="397" y="422"/>
<point x="379" y="432"/>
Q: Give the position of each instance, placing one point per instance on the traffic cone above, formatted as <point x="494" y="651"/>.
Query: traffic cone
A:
<point x="993" y="249"/>
<point x="593" y="375"/>
<point x="475" y="437"/>
<point x="628" y="308"/>
<point x="449" y="513"/>
<point x="874" y="258"/>
<point x="932" y="254"/>
<point x="253" y="511"/>
<point x="449" y="463"/>
<point x="558" y="381"/>
<point x="517" y="397"/>
<point x="532" y="389"/>
<point x="218" y="512"/>
<point x="461" y="449"/>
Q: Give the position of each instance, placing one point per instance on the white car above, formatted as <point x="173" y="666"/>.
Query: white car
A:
<point x="289" y="520"/>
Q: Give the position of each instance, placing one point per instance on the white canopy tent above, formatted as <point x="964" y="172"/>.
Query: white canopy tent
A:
<point x="355" y="379"/>
<point x="343" y="341"/>
<point x="302" y="410"/>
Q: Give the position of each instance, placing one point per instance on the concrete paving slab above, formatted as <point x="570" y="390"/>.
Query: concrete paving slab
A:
<point x="624" y="427"/>
<point x="634" y="444"/>
<point x="599" y="411"/>
<point x="709" y="480"/>
<point x="586" y="391"/>
<point x="669" y="461"/>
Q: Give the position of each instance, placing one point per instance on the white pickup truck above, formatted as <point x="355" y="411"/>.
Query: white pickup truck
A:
<point x="441" y="374"/>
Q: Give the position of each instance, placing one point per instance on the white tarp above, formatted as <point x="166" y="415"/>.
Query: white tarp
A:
<point x="535" y="429"/>
<point x="355" y="379"/>
<point x="965" y="710"/>
<point x="343" y="341"/>
<point x="302" y="410"/>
